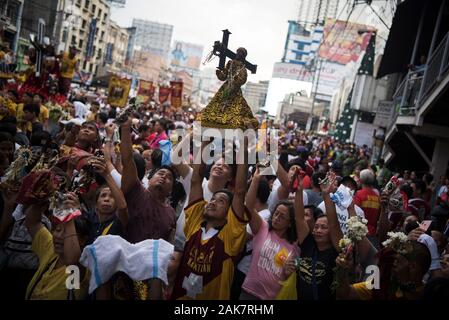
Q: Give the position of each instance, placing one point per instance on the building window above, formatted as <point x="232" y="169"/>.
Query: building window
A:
<point x="83" y="24"/>
<point x="85" y="65"/>
<point x="99" y="54"/>
<point x="91" y="67"/>
<point x="105" y="17"/>
<point x="94" y="8"/>
<point x="102" y="35"/>
<point x="86" y="4"/>
<point x="99" y="13"/>
<point x="80" y="45"/>
<point x="301" y="46"/>
<point x="74" y="39"/>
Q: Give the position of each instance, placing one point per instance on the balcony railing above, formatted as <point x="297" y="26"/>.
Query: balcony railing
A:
<point x="436" y="68"/>
<point x="406" y="96"/>
<point x="418" y="85"/>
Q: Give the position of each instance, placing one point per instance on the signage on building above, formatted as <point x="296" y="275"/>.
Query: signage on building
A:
<point x="292" y="71"/>
<point x="109" y="51"/>
<point x="384" y="114"/>
<point x="90" y="39"/>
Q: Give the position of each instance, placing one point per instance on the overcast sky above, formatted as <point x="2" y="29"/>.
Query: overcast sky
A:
<point x="258" y="25"/>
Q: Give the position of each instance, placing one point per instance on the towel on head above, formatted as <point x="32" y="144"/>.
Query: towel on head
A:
<point x="141" y="261"/>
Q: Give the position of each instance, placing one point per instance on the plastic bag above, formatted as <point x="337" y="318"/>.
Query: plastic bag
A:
<point x="166" y="148"/>
<point x="288" y="289"/>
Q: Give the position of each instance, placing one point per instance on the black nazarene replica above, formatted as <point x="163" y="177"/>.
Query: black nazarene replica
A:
<point x="228" y="109"/>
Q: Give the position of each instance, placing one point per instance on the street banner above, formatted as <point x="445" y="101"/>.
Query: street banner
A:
<point x="118" y="91"/>
<point x="90" y="39"/>
<point x="176" y="94"/>
<point x="145" y="92"/>
<point x="164" y="93"/>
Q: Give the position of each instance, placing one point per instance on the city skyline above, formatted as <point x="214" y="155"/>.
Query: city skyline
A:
<point x="242" y="19"/>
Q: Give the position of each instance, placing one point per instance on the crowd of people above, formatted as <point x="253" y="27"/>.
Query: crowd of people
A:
<point x="86" y="185"/>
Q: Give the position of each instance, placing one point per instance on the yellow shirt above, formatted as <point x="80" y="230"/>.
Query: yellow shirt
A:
<point x="51" y="281"/>
<point x="207" y="267"/>
<point x="68" y="66"/>
<point x="44" y="114"/>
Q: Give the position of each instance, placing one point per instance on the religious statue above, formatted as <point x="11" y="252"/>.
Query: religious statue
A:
<point x="228" y="109"/>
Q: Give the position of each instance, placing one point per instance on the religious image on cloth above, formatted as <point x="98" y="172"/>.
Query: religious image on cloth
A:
<point x="176" y="94"/>
<point x="228" y="109"/>
<point x="146" y="91"/>
<point x="118" y="91"/>
<point x="164" y="93"/>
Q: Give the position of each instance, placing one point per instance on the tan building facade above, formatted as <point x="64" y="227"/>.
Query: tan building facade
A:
<point x="81" y="18"/>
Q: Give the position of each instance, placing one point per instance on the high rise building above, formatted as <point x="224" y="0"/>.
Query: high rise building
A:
<point x="256" y="94"/>
<point x="84" y="24"/>
<point x="116" y="48"/>
<point x="153" y="37"/>
<point x="315" y="12"/>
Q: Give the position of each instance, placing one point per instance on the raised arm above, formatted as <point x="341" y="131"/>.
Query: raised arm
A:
<point x="182" y="167"/>
<point x="33" y="219"/>
<point x="256" y="219"/>
<point x="284" y="189"/>
<point x="331" y="212"/>
<point x="129" y="175"/>
<point x="238" y="201"/>
<point x="344" y="290"/>
<point x="384" y="223"/>
<point x="302" y="228"/>
<point x="364" y="247"/>
<point x="196" y="187"/>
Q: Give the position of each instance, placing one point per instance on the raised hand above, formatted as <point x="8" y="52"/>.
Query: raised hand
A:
<point x="290" y="266"/>
<point x="328" y="184"/>
<point x="99" y="166"/>
<point x="295" y="181"/>
<point x="110" y="128"/>
<point x="415" y="234"/>
<point x="71" y="201"/>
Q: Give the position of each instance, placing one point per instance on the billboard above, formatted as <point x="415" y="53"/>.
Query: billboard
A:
<point x="344" y="42"/>
<point x="186" y="55"/>
<point x="292" y="71"/>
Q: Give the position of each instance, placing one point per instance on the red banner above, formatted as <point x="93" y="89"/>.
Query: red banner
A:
<point x="146" y="90"/>
<point x="164" y="92"/>
<point x="176" y="94"/>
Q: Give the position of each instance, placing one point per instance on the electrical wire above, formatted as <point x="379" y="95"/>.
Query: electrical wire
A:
<point x="378" y="16"/>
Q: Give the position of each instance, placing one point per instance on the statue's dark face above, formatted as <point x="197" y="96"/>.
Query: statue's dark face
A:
<point x="241" y="54"/>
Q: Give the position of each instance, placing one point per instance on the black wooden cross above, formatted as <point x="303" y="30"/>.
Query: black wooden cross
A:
<point x="221" y="50"/>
